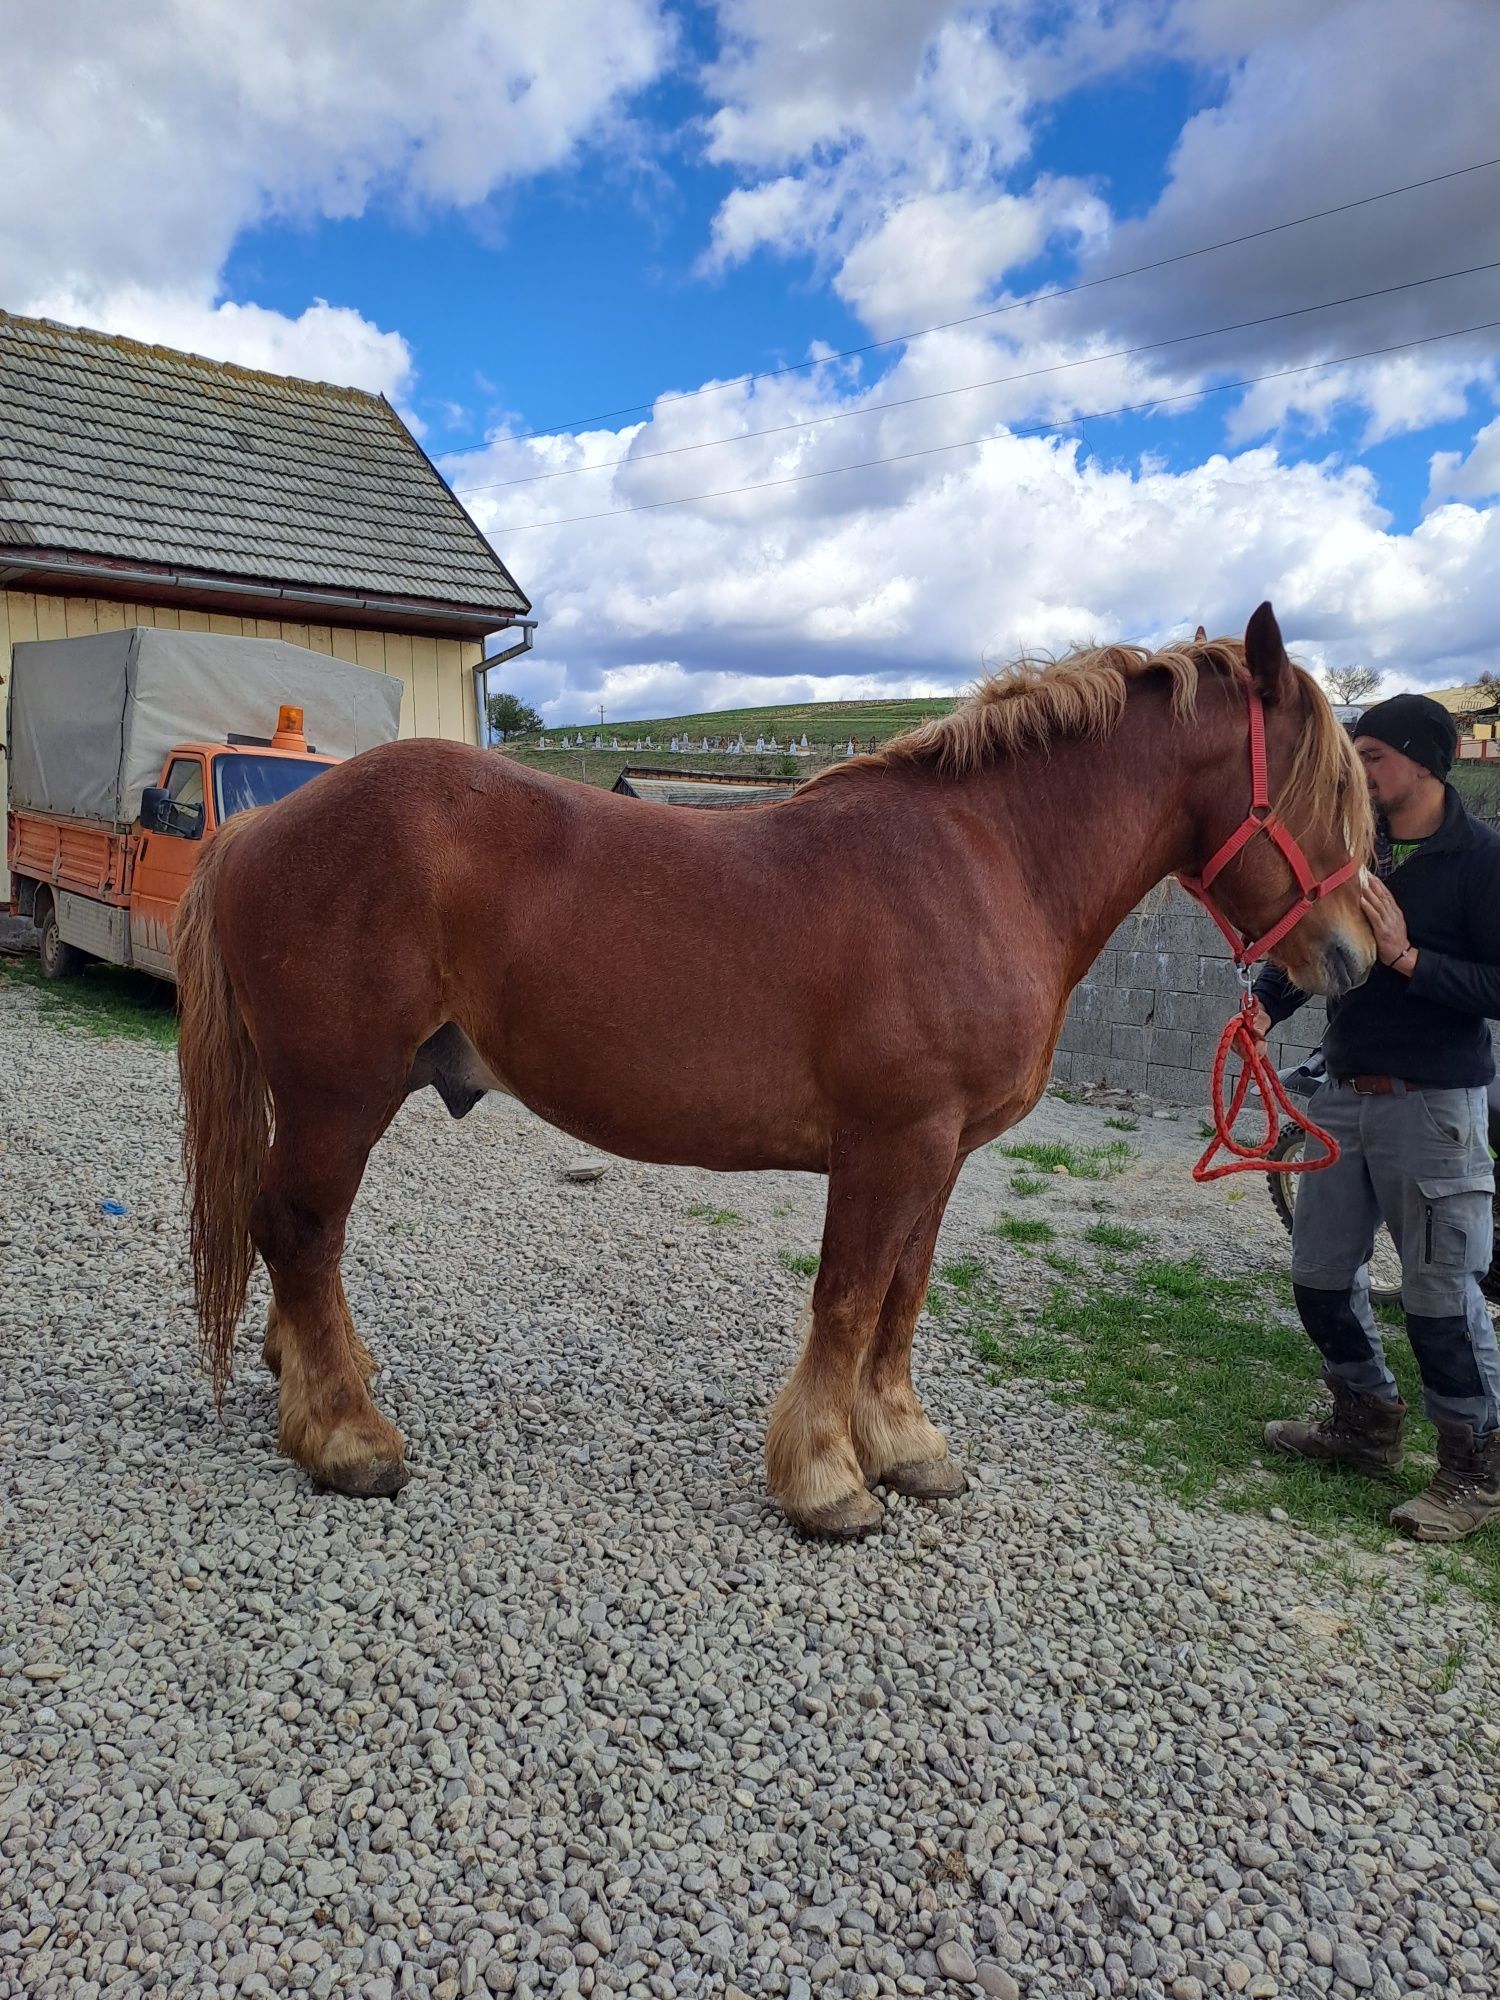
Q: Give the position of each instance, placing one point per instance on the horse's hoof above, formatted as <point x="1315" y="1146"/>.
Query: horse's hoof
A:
<point x="382" y="1479"/>
<point x="933" y="1479"/>
<point x="847" y="1520"/>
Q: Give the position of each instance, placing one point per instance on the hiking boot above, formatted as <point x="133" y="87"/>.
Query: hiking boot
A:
<point x="1360" y="1432"/>
<point x="1465" y="1494"/>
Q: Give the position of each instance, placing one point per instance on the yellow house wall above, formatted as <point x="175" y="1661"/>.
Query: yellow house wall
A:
<point x="437" y="674"/>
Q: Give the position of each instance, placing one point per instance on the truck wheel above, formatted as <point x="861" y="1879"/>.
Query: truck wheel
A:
<point x="59" y="960"/>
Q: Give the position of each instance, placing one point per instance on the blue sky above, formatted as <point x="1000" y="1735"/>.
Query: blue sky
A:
<point x="587" y="293"/>
<point x="515" y="216"/>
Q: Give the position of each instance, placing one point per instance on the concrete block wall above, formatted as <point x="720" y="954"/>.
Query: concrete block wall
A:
<point x="1150" y="1012"/>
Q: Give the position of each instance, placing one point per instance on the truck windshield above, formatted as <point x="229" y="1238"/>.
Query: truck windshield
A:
<point x="243" y="782"/>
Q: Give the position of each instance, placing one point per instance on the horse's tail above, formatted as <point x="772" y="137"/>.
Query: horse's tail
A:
<point x="227" y="1116"/>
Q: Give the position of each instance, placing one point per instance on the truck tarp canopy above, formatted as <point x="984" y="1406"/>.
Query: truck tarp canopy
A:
<point x="91" y="719"/>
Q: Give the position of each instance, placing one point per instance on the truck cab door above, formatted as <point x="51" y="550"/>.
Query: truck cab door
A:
<point x="163" y="863"/>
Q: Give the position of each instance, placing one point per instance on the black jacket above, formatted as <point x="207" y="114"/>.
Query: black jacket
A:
<point x="1432" y="1028"/>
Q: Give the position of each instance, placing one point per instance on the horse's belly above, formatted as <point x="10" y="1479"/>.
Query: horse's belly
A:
<point x="679" y="1129"/>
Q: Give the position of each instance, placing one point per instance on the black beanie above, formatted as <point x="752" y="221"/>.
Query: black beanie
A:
<point x="1417" y="726"/>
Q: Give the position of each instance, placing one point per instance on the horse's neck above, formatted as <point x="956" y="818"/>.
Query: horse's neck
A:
<point x="1097" y="824"/>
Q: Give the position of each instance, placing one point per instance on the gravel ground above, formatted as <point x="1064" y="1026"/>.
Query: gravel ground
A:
<point x="578" y="1713"/>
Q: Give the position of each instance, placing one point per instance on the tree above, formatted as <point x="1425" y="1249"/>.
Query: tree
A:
<point x="510" y="716"/>
<point x="1351" y="685"/>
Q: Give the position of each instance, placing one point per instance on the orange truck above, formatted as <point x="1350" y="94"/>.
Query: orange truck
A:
<point x="130" y="749"/>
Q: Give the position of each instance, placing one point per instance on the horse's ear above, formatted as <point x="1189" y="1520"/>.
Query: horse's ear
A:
<point x="1200" y="637"/>
<point x="1265" y="655"/>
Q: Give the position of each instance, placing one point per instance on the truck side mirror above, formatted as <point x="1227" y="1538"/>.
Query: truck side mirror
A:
<point x="156" y="809"/>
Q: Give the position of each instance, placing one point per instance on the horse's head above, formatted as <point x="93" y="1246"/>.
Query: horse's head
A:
<point x="1318" y="795"/>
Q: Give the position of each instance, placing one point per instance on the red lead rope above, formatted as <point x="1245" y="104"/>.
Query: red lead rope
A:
<point x="1238" y="1037"/>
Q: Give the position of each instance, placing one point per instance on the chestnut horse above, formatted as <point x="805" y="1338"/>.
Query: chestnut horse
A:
<point x="431" y="914"/>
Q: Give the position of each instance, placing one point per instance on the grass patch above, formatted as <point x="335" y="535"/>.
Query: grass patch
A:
<point x="1448" y="1671"/>
<point x="1026" y="1184"/>
<point x="1061" y="1262"/>
<point x="1021" y="1229"/>
<point x="1115" y="1236"/>
<point x="1185" y="1368"/>
<point x="104" y="1001"/>
<point x="960" y="1281"/>
<point x="803" y="1262"/>
<point x="1085" y="1163"/>
<point x="1065" y="1094"/>
<point x="1123" y="1124"/>
<point x="721" y="1218"/>
<point x="964" y="1275"/>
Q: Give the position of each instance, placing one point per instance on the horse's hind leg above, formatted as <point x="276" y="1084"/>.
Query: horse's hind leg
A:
<point x="270" y="1350"/>
<point x="270" y="1347"/>
<point x="328" y="1422"/>
<point x="876" y="1196"/>
<point x="898" y="1446"/>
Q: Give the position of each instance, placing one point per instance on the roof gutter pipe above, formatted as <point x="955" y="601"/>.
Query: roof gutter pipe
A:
<point x="527" y="628"/>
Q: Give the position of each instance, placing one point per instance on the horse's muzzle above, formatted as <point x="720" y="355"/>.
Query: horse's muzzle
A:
<point x="1343" y="968"/>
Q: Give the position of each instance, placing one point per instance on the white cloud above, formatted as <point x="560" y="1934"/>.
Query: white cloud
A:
<point x="1312" y="100"/>
<point x="799" y="74"/>
<point x="866" y="106"/>
<point x="897" y="167"/>
<point x="772" y="212"/>
<point x="137" y="142"/>
<point x="1454" y="476"/>
<point x="947" y="248"/>
<point x="915" y="576"/>
<point x="1398" y="394"/>
<point x="174" y="124"/>
<point x="889" y="143"/>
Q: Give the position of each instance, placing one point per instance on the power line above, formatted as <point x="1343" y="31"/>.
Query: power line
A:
<point x="967" y="388"/>
<point x="997" y="437"/>
<point x="988" y="312"/>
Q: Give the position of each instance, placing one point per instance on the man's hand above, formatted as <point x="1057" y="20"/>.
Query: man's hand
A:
<point x="1260" y="1025"/>
<point x="1383" y="914"/>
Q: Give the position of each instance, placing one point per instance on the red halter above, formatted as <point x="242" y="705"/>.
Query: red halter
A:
<point x="1238" y="1037"/>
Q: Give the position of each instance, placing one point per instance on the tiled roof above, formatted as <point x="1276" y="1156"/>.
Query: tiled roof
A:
<point x="140" y="454"/>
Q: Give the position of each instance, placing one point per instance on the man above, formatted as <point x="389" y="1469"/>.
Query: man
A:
<point x="1409" y="1055"/>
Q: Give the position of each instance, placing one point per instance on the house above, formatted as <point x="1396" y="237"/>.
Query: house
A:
<point x="141" y="486"/>
<point x="1476" y="710"/>
<point x="713" y="790"/>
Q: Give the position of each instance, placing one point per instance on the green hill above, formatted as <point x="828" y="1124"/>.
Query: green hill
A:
<point x="828" y="725"/>
<point x="829" y="722"/>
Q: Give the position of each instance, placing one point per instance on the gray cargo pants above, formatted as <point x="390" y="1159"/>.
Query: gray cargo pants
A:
<point x="1419" y="1159"/>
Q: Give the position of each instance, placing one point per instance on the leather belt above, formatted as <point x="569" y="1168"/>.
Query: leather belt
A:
<point x="1377" y="1086"/>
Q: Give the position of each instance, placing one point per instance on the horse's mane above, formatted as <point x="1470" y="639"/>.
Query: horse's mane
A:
<point x="1035" y="702"/>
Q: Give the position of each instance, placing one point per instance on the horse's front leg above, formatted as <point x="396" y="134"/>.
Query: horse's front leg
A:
<point x="898" y="1446"/>
<point x="878" y="1190"/>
